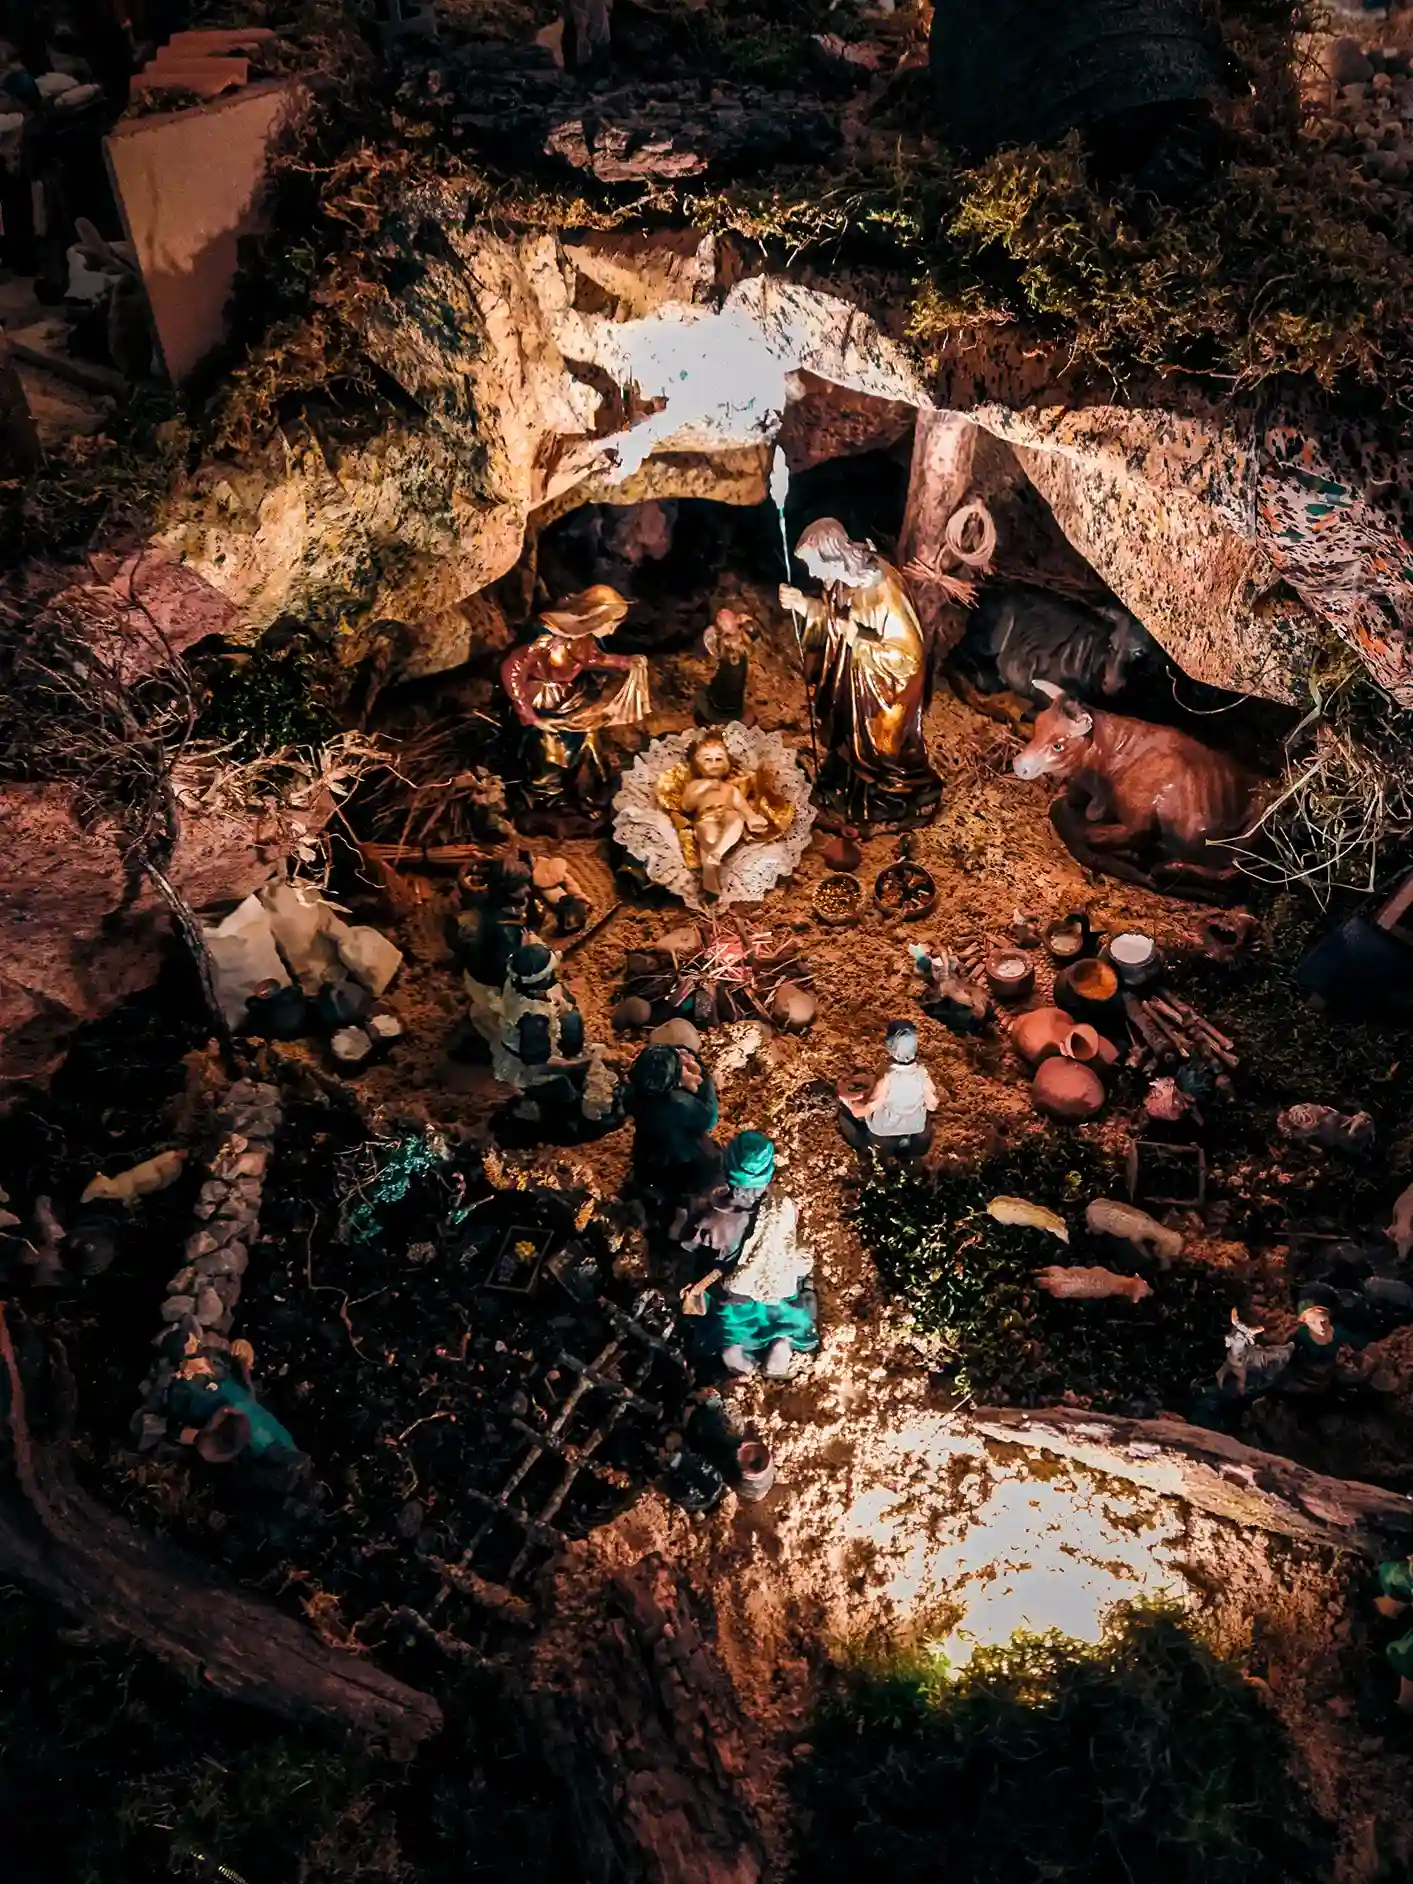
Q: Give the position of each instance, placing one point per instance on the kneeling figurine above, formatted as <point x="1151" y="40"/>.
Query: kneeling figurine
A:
<point x="759" y="1302"/>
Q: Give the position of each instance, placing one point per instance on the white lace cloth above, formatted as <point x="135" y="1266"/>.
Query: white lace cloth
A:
<point x="646" y="831"/>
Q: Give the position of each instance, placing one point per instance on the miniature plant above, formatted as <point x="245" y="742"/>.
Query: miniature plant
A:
<point x="381" y="1174"/>
<point x="267" y="704"/>
<point x="1141" y="1757"/>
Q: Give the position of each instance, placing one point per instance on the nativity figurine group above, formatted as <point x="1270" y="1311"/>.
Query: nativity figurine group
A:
<point x="730" y="790"/>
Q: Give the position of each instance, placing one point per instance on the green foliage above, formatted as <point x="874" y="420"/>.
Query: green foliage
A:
<point x="384" y="1173"/>
<point x="744" y="44"/>
<point x="967" y="1281"/>
<point x="268" y="703"/>
<point x="1141" y="1758"/>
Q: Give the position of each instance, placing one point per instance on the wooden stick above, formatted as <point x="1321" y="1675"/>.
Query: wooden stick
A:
<point x="1214" y="1473"/>
<point x="1168" y="1031"/>
<point x="587" y="935"/>
<point x="1192" y="1015"/>
<point x="1156" y="1042"/>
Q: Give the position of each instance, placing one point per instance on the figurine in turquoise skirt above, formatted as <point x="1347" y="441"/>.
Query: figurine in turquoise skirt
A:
<point x="1395" y="1595"/>
<point x="231" y="1408"/>
<point x="761" y="1307"/>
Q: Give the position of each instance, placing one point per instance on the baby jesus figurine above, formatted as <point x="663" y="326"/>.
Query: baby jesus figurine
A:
<point x="716" y="806"/>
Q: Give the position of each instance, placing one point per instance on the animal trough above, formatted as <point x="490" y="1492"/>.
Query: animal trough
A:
<point x="1159" y="1173"/>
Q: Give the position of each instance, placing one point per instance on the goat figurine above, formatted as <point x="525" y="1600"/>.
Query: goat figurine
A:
<point x="1133" y="787"/>
<point x="1243" y="1354"/>
<point x="1240" y="1344"/>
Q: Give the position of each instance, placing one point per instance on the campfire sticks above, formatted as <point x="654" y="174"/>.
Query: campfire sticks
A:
<point x="1169" y="1029"/>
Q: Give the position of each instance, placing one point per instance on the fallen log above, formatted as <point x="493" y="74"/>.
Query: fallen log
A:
<point x="120" y="1584"/>
<point x="1214" y="1473"/>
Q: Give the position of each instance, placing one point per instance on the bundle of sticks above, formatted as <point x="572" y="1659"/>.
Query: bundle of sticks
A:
<point x="972" y="956"/>
<point x="1168" y="1032"/>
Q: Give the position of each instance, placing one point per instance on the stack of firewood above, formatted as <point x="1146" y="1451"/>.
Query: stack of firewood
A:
<point x="1169" y="1032"/>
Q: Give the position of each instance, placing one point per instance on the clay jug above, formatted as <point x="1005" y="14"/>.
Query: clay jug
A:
<point x="1063" y="1089"/>
<point x="1045" y="1031"/>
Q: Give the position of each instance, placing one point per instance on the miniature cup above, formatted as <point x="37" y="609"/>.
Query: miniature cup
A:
<point x="755" y="1469"/>
<point x="1134" y="958"/>
<point x="1009" y="975"/>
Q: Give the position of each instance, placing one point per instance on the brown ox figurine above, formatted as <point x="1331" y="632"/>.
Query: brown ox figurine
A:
<point x="1136" y="790"/>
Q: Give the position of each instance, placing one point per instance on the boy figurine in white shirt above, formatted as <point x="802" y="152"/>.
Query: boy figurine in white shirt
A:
<point x="894" y="1116"/>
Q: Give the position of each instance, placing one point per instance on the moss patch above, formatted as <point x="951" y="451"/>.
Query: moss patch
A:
<point x="268" y="703"/>
<point x="967" y="1281"/>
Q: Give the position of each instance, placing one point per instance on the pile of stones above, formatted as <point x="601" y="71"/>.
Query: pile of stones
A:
<point x="1366" y="108"/>
<point x="199" y="1311"/>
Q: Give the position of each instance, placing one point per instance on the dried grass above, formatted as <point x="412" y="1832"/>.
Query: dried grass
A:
<point x="1345" y="810"/>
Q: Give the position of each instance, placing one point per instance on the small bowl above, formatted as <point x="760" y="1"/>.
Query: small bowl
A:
<point x="905" y="891"/>
<point x="1010" y="975"/>
<point x="1067" y="939"/>
<point x="1088" y="989"/>
<point x="1134" y="958"/>
<point x="838" y="900"/>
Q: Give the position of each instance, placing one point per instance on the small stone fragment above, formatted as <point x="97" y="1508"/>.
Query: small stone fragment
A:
<point x="209" y="1307"/>
<point x="177" y="1307"/>
<point x="633" y="1011"/>
<point x="370" y="957"/>
<point x="350" y="1047"/>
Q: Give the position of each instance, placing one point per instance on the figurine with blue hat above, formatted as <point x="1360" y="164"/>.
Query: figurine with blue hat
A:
<point x="758" y="1302"/>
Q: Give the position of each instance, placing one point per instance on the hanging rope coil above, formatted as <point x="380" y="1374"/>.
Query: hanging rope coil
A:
<point x="955" y="534"/>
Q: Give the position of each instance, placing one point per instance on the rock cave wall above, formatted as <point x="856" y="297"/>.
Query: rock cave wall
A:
<point x="540" y="372"/>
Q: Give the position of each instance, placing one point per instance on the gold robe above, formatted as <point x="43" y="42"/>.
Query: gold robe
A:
<point x="870" y="690"/>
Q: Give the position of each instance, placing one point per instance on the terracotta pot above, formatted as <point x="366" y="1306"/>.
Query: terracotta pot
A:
<point x="1068" y="937"/>
<point x="1009" y="975"/>
<point x="1089" y="990"/>
<point x="1045" y="1033"/>
<point x="1063" y="1089"/>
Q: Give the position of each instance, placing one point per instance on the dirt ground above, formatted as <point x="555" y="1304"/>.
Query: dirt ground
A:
<point x="889" y="1519"/>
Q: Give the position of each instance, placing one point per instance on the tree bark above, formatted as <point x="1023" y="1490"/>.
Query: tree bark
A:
<point x="119" y="1584"/>
<point x="20" y="450"/>
<point x="943" y="447"/>
<point x="1216" y="1474"/>
<point x="641" y="1722"/>
<point x="588" y="31"/>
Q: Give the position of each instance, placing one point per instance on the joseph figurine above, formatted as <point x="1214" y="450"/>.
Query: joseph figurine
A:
<point x="866" y="664"/>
